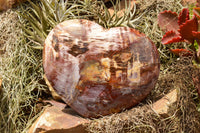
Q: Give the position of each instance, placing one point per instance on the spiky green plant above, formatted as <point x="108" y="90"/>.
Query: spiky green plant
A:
<point x="119" y="17"/>
<point x="42" y="16"/>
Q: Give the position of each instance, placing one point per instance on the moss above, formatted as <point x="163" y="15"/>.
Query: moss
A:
<point x="21" y="71"/>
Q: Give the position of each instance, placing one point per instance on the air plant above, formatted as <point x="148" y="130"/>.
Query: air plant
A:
<point x="43" y="15"/>
<point x="180" y="28"/>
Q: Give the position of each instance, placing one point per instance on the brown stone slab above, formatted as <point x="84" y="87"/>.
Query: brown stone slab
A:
<point x="161" y="107"/>
<point x="56" y="119"/>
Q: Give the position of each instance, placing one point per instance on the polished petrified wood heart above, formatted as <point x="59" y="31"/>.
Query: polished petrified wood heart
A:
<point x="99" y="71"/>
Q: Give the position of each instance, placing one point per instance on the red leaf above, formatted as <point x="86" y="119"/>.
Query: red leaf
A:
<point x="196" y="35"/>
<point x="168" y="21"/>
<point x="187" y="28"/>
<point x="198" y="3"/>
<point x="183" y="52"/>
<point x="183" y="16"/>
<point x="196" y="12"/>
<point x="171" y="37"/>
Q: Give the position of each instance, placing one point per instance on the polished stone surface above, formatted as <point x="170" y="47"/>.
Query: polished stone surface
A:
<point x="99" y="71"/>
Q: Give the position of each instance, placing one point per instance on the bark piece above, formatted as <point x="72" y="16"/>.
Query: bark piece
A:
<point x="161" y="106"/>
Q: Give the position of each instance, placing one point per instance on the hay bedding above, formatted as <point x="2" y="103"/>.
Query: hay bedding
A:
<point x="22" y="86"/>
<point x="21" y="71"/>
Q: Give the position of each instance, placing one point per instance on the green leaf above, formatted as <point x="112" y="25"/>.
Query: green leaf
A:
<point x="196" y="45"/>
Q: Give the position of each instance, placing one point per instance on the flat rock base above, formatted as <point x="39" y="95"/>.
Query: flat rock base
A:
<point x="58" y="119"/>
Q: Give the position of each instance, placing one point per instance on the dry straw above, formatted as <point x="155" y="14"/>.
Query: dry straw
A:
<point x="21" y="72"/>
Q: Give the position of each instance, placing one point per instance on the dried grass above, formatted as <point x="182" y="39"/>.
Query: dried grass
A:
<point x="21" y="71"/>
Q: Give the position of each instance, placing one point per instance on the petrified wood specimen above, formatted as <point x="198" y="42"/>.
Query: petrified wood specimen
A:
<point x="99" y="71"/>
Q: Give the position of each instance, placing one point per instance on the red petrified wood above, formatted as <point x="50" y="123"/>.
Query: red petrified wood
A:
<point x="99" y="71"/>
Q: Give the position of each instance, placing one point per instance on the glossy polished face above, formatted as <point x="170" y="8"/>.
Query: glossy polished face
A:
<point x="99" y="71"/>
